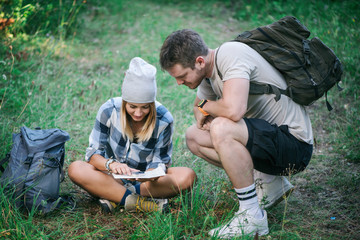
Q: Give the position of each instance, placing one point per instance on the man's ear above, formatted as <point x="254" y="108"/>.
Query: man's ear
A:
<point x="199" y="62"/>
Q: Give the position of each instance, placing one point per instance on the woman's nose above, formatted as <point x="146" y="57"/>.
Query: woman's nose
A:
<point x="138" y="112"/>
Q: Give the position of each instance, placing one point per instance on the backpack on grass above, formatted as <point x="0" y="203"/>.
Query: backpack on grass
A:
<point x="35" y="169"/>
<point x="309" y="67"/>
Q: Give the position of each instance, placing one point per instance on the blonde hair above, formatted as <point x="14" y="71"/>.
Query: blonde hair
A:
<point x="146" y="131"/>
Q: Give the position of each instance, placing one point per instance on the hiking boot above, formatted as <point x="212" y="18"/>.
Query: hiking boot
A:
<point x="137" y="203"/>
<point x="271" y="193"/>
<point x="164" y="202"/>
<point x="107" y="206"/>
<point x="240" y="225"/>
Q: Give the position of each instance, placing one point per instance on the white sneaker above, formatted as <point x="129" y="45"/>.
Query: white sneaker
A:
<point x="271" y="193"/>
<point x="242" y="224"/>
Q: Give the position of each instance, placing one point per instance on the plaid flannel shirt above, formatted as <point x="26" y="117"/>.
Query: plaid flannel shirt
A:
<point x="106" y="138"/>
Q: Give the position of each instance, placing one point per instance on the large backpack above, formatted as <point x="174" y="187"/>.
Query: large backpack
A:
<point x="35" y="168"/>
<point x="309" y="67"/>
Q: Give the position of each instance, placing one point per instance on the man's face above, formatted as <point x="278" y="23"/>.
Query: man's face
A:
<point x="187" y="76"/>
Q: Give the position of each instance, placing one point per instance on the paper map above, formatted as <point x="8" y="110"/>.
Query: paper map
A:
<point x="157" y="172"/>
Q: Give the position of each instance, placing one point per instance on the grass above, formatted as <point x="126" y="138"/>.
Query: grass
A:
<point x="49" y="81"/>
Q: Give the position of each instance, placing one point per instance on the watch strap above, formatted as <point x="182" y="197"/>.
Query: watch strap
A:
<point x="201" y="105"/>
<point x="203" y="112"/>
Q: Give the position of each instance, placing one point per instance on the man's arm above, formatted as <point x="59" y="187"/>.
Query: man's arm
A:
<point x="197" y="113"/>
<point x="233" y="104"/>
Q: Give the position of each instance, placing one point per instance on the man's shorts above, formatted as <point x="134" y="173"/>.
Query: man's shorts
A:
<point x="274" y="150"/>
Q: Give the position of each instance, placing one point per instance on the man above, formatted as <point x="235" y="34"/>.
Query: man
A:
<point x="237" y="131"/>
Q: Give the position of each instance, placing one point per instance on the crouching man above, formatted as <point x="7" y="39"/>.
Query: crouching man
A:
<point x="238" y="132"/>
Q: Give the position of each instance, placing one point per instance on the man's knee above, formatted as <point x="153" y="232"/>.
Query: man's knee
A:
<point x="223" y="130"/>
<point x="220" y="128"/>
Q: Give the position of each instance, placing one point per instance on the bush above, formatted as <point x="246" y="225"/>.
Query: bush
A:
<point x="40" y="16"/>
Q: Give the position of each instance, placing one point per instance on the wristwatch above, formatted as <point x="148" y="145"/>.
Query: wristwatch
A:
<point x="200" y="107"/>
<point x="108" y="162"/>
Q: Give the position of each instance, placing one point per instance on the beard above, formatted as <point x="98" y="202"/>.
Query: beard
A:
<point x="198" y="78"/>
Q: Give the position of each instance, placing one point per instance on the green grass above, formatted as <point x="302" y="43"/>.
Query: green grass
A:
<point x="50" y="81"/>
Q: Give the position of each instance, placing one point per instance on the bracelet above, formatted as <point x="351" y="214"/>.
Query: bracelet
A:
<point x="108" y="162"/>
<point x="201" y="105"/>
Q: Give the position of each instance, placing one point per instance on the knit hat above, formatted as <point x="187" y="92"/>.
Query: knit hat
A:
<point x="139" y="84"/>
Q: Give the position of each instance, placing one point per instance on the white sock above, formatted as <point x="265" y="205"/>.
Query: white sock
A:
<point x="248" y="201"/>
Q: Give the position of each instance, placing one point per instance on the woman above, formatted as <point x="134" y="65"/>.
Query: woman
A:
<point x="132" y="133"/>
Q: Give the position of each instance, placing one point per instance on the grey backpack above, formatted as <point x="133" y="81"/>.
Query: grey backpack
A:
<point x="35" y="168"/>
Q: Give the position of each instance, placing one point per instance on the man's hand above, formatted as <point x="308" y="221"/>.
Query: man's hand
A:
<point x="203" y="122"/>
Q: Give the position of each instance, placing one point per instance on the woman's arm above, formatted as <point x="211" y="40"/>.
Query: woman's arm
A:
<point x="99" y="162"/>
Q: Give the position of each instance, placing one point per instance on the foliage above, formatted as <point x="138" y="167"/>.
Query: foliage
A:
<point x="13" y="224"/>
<point x="41" y="16"/>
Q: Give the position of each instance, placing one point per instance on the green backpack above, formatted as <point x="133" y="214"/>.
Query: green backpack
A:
<point x="309" y="67"/>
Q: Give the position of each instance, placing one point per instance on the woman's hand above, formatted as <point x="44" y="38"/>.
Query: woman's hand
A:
<point x="147" y="179"/>
<point x="121" y="168"/>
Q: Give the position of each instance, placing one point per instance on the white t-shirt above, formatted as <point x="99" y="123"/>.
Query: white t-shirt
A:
<point x="237" y="60"/>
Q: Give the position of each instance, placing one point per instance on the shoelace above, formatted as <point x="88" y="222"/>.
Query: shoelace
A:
<point x="145" y="206"/>
<point x="113" y="204"/>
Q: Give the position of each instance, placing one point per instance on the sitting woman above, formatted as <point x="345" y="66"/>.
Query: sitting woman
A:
<point x="132" y="133"/>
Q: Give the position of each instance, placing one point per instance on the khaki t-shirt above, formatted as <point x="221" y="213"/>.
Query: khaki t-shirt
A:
<point x="237" y="60"/>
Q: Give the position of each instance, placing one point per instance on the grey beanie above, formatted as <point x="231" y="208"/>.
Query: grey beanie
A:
<point x="139" y="84"/>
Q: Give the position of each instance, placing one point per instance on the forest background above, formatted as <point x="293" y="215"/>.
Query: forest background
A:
<point x="60" y="60"/>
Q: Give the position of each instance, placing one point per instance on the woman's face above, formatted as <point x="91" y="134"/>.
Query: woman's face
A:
<point x="137" y="111"/>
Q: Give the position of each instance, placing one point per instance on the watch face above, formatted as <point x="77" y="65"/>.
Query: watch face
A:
<point x="202" y="103"/>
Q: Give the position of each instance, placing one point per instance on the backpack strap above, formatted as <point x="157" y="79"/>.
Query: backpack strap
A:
<point x="216" y="65"/>
<point x="61" y="162"/>
<point x="259" y="89"/>
<point x="3" y="161"/>
<point x="61" y="167"/>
